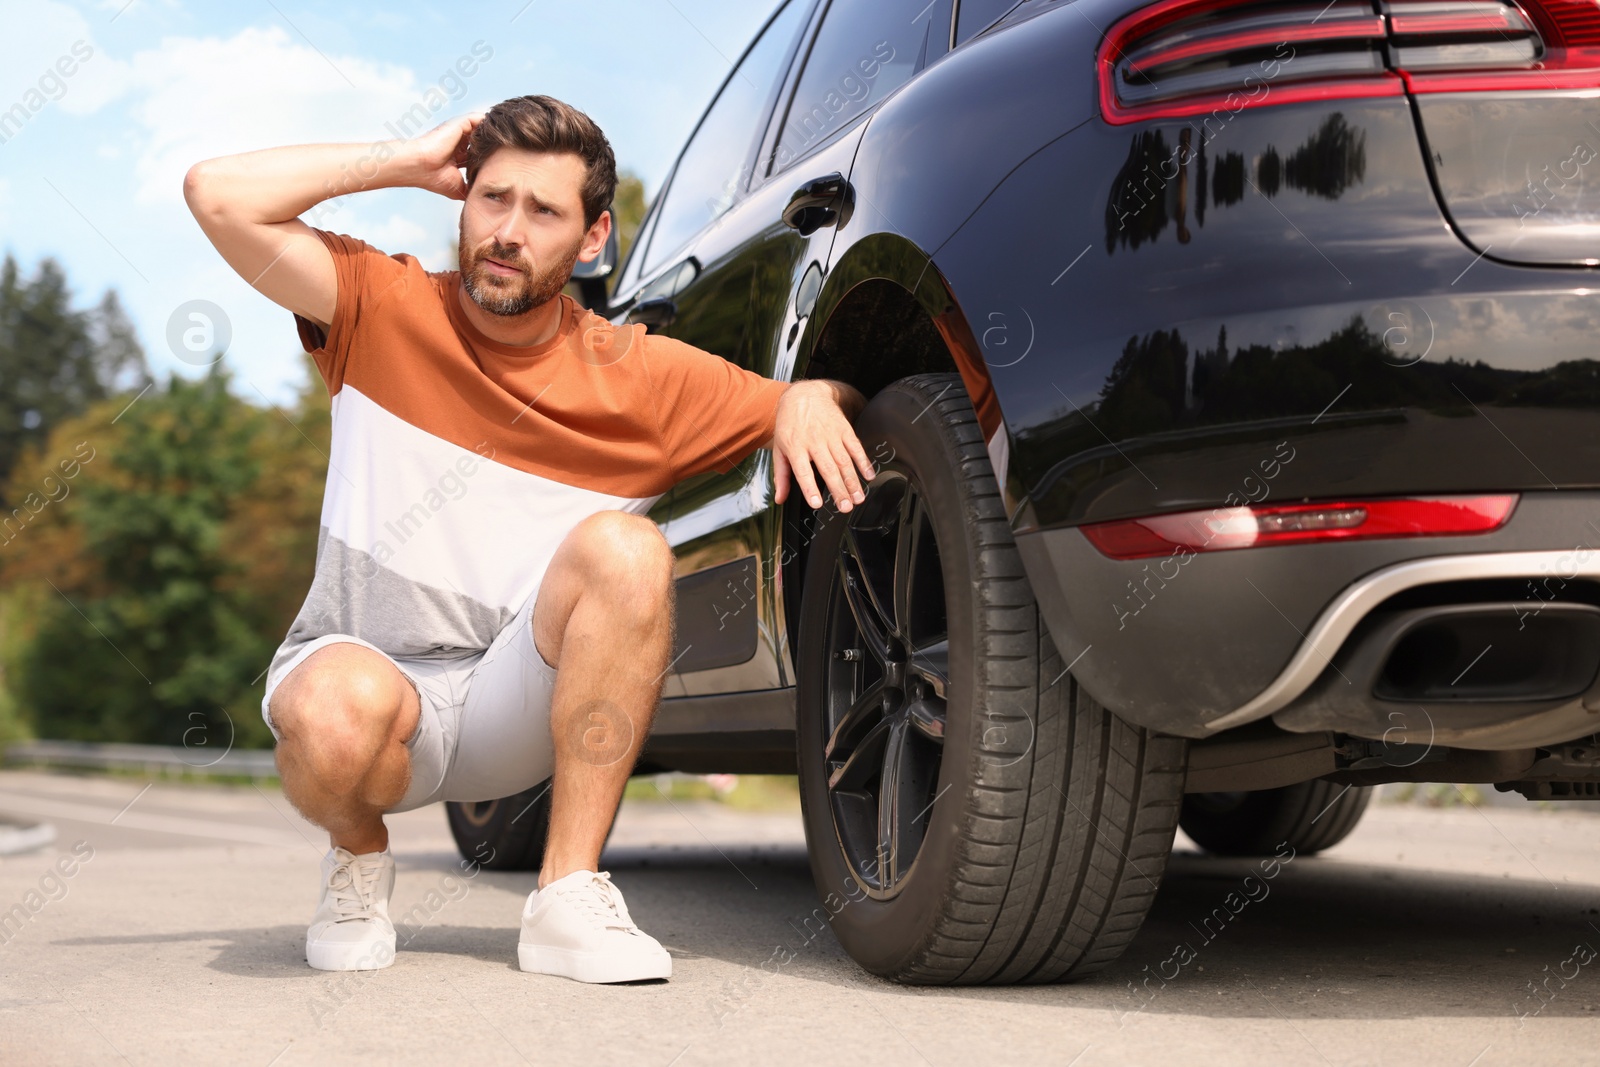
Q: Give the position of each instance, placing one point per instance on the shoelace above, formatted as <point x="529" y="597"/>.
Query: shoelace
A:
<point x="600" y="902"/>
<point x="354" y="889"/>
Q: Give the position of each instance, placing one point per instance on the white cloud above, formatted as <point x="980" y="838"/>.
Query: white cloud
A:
<point x="204" y="97"/>
<point x="194" y="98"/>
<point x="117" y="8"/>
<point x="49" y="53"/>
<point x="168" y="85"/>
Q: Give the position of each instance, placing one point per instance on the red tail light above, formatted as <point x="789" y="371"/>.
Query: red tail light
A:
<point x="1189" y="57"/>
<point x="1220" y="529"/>
<point x="1444" y="46"/>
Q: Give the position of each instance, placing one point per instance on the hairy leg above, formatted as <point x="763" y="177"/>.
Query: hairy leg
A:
<point x="344" y="715"/>
<point x="604" y="618"/>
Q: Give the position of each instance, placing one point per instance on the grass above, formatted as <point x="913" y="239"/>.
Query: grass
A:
<point x="745" y="792"/>
<point x="139" y="774"/>
<point x="1435" y="795"/>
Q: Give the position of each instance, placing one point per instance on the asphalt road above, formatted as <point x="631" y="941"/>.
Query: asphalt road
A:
<point x="178" y="935"/>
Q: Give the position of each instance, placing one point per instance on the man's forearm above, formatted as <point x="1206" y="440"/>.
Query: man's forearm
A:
<point x="278" y="184"/>
<point x="249" y="205"/>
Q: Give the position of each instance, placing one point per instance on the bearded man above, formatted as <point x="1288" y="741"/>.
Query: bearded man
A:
<point x="487" y="580"/>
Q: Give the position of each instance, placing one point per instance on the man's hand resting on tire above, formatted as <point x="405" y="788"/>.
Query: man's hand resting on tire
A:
<point x="813" y="430"/>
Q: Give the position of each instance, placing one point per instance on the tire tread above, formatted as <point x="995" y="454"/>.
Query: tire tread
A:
<point x="1061" y="850"/>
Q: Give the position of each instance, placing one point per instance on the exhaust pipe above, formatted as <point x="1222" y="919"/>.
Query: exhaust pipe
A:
<point x="1447" y="672"/>
<point x="1485" y="652"/>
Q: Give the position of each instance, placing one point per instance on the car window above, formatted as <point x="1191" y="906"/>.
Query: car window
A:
<point x="709" y="173"/>
<point x="974" y="16"/>
<point x="864" y="51"/>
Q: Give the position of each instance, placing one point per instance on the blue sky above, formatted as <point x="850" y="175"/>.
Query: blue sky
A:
<point x="92" y="175"/>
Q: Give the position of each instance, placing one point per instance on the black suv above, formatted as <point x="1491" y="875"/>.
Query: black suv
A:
<point x="1233" y="388"/>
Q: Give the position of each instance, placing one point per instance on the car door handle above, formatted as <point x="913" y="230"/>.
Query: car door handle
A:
<point x="824" y="201"/>
<point x="656" y="313"/>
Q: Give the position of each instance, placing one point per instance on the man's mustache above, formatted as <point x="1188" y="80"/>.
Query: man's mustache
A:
<point x="509" y="257"/>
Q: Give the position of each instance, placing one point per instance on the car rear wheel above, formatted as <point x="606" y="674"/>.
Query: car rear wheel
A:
<point x="506" y="834"/>
<point x="1308" y="816"/>
<point x="972" y="816"/>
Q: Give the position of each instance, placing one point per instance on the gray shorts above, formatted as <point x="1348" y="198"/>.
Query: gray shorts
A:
<point x="484" y="731"/>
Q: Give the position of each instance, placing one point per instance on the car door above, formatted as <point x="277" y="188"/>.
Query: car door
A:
<point x="745" y="287"/>
<point x="708" y="177"/>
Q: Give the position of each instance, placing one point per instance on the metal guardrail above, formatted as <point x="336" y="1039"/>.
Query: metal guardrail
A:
<point x="151" y="759"/>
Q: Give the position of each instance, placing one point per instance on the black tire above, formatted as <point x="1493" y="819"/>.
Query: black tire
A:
<point x="506" y="834"/>
<point x="1046" y="820"/>
<point x="1308" y="816"/>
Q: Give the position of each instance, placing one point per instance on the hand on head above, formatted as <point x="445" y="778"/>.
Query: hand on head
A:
<point x="442" y="152"/>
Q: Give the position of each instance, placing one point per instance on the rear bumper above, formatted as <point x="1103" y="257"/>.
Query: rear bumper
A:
<point x="1228" y="638"/>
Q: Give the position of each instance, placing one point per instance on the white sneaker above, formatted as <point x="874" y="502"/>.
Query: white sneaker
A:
<point x="578" y="927"/>
<point x="351" y="930"/>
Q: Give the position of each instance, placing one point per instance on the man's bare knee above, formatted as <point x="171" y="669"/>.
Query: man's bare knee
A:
<point x="613" y="561"/>
<point x="625" y="555"/>
<point x="339" y="708"/>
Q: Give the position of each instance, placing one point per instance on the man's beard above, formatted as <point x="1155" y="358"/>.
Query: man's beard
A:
<point x="508" y="295"/>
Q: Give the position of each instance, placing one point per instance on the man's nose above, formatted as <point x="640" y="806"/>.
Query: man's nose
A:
<point x="509" y="232"/>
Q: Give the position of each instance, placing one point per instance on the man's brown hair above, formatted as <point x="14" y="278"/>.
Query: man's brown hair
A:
<point x="545" y="124"/>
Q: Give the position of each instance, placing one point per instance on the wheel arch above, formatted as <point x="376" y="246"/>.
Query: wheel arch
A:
<point x="886" y="312"/>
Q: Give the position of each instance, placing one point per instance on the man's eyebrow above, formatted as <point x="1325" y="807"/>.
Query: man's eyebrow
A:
<point x="552" y="205"/>
<point x="534" y="198"/>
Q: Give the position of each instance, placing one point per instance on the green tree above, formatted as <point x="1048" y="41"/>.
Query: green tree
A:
<point x="158" y="589"/>
<point x="627" y="211"/>
<point x="55" y="361"/>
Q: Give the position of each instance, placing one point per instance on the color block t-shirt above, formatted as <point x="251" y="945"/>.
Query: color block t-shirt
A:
<point x="458" y="463"/>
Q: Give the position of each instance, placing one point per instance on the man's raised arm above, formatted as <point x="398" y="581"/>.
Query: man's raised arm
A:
<point x="249" y="205"/>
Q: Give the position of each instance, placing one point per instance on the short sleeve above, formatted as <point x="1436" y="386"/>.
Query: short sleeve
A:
<point x="362" y="272"/>
<point x="712" y="413"/>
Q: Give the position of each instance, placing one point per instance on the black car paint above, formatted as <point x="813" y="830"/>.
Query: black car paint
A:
<point x="1151" y="317"/>
<point x="1513" y="177"/>
<point x="1104" y="280"/>
<point x="1179" y="642"/>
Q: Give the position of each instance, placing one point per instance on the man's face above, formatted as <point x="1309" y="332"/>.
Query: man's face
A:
<point x="522" y="230"/>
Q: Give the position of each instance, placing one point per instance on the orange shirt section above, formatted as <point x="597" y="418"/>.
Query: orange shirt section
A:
<point x="609" y="408"/>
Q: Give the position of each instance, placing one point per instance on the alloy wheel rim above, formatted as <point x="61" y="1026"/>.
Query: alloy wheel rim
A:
<point x="887" y="680"/>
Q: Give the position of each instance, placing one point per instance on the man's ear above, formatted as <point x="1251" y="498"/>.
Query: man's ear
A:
<point x="595" y="240"/>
